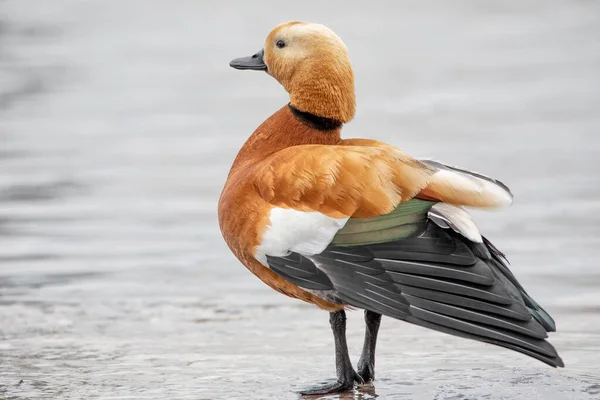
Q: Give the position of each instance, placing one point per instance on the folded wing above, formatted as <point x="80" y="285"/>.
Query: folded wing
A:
<point x="429" y="276"/>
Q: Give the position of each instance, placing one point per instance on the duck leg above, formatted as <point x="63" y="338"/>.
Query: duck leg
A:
<point x="346" y="376"/>
<point x="366" y="363"/>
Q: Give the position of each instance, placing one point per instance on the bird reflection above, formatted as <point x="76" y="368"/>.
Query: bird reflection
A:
<point x="362" y="392"/>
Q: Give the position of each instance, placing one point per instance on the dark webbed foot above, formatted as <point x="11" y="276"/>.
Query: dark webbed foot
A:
<point x="366" y="364"/>
<point x="342" y="385"/>
<point x="366" y="370"/>
<point x="346" y="376"/>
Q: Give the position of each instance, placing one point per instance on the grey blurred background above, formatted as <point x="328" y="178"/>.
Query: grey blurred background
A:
<point x="118" y="123"/>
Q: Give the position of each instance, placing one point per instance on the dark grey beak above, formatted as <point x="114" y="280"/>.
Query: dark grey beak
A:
<point x="255" y="62"/>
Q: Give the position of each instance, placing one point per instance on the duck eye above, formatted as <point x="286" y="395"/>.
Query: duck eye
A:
<point x="280" y="44"/>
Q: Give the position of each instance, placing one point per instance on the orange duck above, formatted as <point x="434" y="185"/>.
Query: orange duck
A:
<point x="356" y="223"/>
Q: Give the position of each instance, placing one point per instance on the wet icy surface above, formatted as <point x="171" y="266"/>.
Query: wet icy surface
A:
<point x="119" y="120"/>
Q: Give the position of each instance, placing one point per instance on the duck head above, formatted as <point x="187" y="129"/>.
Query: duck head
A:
<point x="311" y="62"/>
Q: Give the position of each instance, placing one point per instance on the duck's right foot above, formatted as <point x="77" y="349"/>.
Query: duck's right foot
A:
<point x="366" y="370"/>
<point x="366" y="364"/>
<point x="346" y="375"/>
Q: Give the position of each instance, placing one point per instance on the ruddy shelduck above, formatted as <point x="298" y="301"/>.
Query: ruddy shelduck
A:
<point x="356" y="223"/>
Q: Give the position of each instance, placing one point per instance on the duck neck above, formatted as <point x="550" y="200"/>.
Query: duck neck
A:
<point x="325" y="90"/>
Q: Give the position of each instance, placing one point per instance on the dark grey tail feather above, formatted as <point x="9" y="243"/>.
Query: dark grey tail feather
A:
<point x="495" y="334"/>
<point x="529" y="327"/>
<point x="534" y="308"/>
<point x="514" y="311"/>
<point x="555" y="361"/>
<point x="500" y="256"/>
<point x="487" y="317"/>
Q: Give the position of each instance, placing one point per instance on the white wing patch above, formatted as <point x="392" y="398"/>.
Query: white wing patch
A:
<point x="302" y="232"/>
<point x="456" y="218"/>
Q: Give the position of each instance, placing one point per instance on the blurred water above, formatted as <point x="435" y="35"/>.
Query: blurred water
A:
<point x="119" y="120"/>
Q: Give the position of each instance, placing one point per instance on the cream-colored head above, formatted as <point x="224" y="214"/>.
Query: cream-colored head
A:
<point x="312" y="64"/>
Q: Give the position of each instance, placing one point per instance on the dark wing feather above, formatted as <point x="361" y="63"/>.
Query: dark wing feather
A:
<point x="435" y="278"/>
<point x="300" y="271"/>
<point x="534" y="308"/>
<point x="361" y="281"/>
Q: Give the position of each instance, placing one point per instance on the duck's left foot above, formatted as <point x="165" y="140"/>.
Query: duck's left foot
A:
<point x="341" y="385"/>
